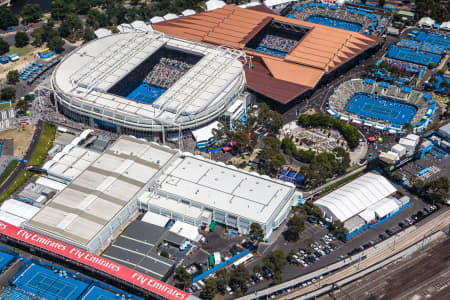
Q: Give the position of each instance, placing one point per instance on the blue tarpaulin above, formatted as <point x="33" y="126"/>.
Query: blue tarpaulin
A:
<point x="369" y="81"/>
<point x="427" y="96"/>
<point x="406" y="89"/>
<point x="384" y="84"/>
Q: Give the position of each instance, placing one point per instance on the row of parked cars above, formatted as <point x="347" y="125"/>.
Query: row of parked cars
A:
<point x="419" y="215"/>
<point x="316" y="251"/>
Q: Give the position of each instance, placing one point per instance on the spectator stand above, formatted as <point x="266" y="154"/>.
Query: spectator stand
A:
<point x="383" y="106"/>
<point x="345" y="17"/>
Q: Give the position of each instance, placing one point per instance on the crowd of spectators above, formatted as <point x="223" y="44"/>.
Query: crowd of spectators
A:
<point x="278" y="43"/>
<point x="165" y="73"/>
<point x="369" y="22"/>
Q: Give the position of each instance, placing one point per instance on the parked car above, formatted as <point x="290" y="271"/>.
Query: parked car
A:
<point x="402" y="225"/>
<point x="389" y="232"/>
<point x="382" y="237"/>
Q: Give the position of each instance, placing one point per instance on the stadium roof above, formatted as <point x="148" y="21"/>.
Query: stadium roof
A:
<point x="320" y="51"/>
<point x="355" y="197"/>
<point x="101" y="191"/>
<point x="84" y="78"/>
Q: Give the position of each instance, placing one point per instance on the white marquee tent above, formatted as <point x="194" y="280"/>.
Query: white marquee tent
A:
<point x="355" y="197"/>
<point x="426" y="21"/>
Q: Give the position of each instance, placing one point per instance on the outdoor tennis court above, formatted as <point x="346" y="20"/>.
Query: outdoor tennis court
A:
<point x="5" y="259"/>
<point x="381" y="108"/>
<point x="48" y="284"/>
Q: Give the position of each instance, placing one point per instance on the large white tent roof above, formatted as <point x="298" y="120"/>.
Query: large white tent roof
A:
<point x="356" y="196"/>
<point x="426" y="21"/>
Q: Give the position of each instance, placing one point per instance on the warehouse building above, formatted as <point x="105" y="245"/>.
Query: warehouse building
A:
<point x="366" y="200"/>
<point x="135" y="174"/>
<point x="198" y="191"/>
<point x="103" y="196"/>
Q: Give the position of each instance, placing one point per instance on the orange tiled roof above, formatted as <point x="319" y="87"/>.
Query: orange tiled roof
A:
<point x="320" y="51"/>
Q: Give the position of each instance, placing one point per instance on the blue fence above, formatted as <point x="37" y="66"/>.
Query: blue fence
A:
<point x="221" y="265"/>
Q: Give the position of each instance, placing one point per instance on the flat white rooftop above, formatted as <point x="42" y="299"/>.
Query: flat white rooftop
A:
<point x="218" y="186"/>
<point x="93" y="199"/>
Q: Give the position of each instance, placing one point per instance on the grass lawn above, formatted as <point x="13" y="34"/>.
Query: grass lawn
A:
<point x="5" y="106"/>
<point x="8" y="170"/>
<point x="38" y="158"/>
<point x="20" y="51"/>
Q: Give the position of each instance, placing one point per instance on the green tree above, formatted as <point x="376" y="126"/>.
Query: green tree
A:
<point x="222" y="280"/>
<point x="23" y="105"/>
<point x="256" y="231"/>
<point x="239" y="277"/>
<point x="408" y="127"/>
<point x="8" y="93"/>
<point x="60" y="8"/>
<point x="209" y="290"/>
<point x="31" y="13"/>
<point x="164" y="254"/>
<point x="13" y="76"/>
<point x="288" y="146"/>
<point x="4" y="47"/>
<point x="257" y="269"/>
<point x="88" y="35"/>
<point x="56" y="43"/>
<point x="70" y="24"/>
<point x="295" y="226"/>
<point x="7" y="18"/>
<point x="337" y="227"/>
<point x="96" y="18"/>
<point x="441" y="71"/>
<point x="275" y="260"/>
<point x="431" y="65"/>
<point x="21" y="39"/>
<point x="381" y="2"/>
<point x="183" y="276"/>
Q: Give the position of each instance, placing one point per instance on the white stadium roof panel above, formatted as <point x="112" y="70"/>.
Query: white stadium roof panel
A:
<point x="355" y="196"/>
<point x="87" y="75"/>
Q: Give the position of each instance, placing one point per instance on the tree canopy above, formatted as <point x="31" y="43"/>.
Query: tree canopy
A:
<point x="8" y="93"/>
<point x="349" y="132"/>
<point x="13" y="76"/>
<point x="209" y="290"/>
<point x="4" y="46"/>
<point x="295" y="226"/>
<point x="31" y="13"/>
<point x="183" y="276"/>
<point x="7" y="18"/>
<point x="256" y="232"/>
<point x="21" y="39"/>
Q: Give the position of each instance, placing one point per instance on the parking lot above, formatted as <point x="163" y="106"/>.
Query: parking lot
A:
<point x="365" y="239"/>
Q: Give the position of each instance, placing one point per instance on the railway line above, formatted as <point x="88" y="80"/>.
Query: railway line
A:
<point x="353" y="268"/>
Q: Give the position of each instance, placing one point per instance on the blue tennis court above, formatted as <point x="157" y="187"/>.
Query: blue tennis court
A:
<point x="332" y="22"/>
<point x="413" y="56"/>
<point x="5" y="259"/>
<point x="433" y="39"/>
<point x="381" y="108"/>
<point x="49" y="285"/>
<point x="146" y="93"/>
<point x="96" y="293"/>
